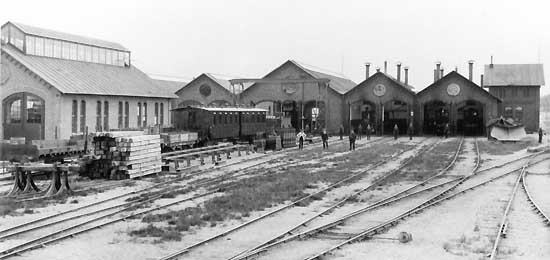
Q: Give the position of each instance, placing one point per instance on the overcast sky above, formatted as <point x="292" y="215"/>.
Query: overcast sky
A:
<point x="182" y="39"/>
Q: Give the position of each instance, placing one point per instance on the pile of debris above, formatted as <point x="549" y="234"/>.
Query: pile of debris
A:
<point x="122" y="155"/>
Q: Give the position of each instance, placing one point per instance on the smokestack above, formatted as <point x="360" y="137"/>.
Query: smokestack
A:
<point x="441" y="73"/>
<point x="367" y="66"/>
<point x="377" y="69"/>
<point x="438" y="70"/>
<point x="385" y="67"/>
<point x="471" y="69"/>
<point x="481" y="81"/>
<point x="406" y="75"/>
<point x="491" y="65"/>
<point x="435" y="75"/>
<point x="399" y="71"/>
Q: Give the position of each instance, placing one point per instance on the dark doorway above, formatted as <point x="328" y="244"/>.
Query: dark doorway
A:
<point x="470" y="118"/>
<point x="436" y="115"/>
<point x="395" y="113"/>
<point x="23" y="116"/>
<point x="364" y="113"/>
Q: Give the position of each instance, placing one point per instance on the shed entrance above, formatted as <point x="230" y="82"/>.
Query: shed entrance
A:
<point x="436" y="115"/>
<point x="395" y="113"/>
<point x="470" y="118"/>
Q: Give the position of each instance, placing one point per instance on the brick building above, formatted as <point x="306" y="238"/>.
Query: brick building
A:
<point x="55" y="84"/>
<point x="518" y="85"/>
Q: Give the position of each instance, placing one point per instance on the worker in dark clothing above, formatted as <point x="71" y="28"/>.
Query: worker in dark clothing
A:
<point x="352" y="137"/>
<point x="395" y="132"/>
<point x="324" y="137"/>
<point x="301" y="136"/>
<point x="446" y="130"/>
<point x="540" y="135"/>
<point x="341" y="132"/>
<point x="359" y="131"/>
<point x="411" y="131"/>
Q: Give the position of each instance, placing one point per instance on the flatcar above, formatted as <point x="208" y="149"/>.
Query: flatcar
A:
<point x="221" y="123"/>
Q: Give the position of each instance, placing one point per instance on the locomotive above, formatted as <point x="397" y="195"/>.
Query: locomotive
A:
<point x="221" y="123"/>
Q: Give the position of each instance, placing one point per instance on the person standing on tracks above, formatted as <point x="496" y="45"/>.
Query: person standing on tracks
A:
<point x="341" y="132"/>
<point x="369" y="130"/>
<point x="395" y="132"/>
<point x="324" y="137"/>
<point x="352" y="137"/>
<point x="410" y="130"/>
<point x="540" y="135"/>
<point x="359" y="131"/>
<point x="301" y="136"/>
<point x="446" y="130"/>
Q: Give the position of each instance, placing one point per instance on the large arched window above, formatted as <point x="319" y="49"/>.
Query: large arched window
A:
<point x="518" y="114"/>
<point x="35" y="106"/>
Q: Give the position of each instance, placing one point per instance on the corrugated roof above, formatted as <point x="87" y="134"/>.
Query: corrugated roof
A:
<point x="514" y="75"/>
<point x="67" y="37"/>
<point x="337" y="82"/>
<point x="172" y="86"/>
<point x="76" y="77"/>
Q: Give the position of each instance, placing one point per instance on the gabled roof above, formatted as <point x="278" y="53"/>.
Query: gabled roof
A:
<point x="407" y="88"/>
<point x="27" y="29"/>
<point x="338" y="83"/>
<point x="513" y="75"/>
<point x="172" y="86"/>
<point x="223" y="83"/>
<point x="456" y="74"/>
<point x="76" y="77"/>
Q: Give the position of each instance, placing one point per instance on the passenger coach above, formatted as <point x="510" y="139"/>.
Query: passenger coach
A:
<point x="220" y="123"/>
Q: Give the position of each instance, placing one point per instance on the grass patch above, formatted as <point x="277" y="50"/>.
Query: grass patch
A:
<point x="152" y="231"/>
<point x="504" y="148"/>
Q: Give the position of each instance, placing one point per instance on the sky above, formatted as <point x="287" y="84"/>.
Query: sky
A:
<point x="179" y="40"/>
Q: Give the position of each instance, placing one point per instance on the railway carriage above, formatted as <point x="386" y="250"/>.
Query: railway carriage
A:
<point x="220" y="123"/>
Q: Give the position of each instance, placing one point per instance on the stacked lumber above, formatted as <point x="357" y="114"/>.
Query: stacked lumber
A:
<point x="121" y="156"/>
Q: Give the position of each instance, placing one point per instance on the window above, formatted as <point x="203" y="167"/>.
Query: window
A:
<point x="156" y="113"/>
<point x="508" y="112"/>
<point x="64" y="48"/>
<point x="39" y="46"/>
<point x="518" y="114"/>
<point x="106" y="115"/>
<point x="74" y="127"/>
<point x="14" y="113"/>
<point x="98" y="127"/>
<point x="102" y="56"/>
<point x="120" y="115"/>
<point x="95" y="54"/>
<point x="88" y="51"/>
<point x="144" y="114"/>
<point x="225" y="121"/>
<point x="126" y="115"/>
<point x="515" y="92"/>
<point x="72" y="51"/>
<point x="214" y="118"/>
<point x="109" y="57"/>
<point x="162" y="113"/>
<point x="80" y="52"/>
<point x="526" y="92"/>
<point x="126" y="59"/>
<point x="30" y="45"/>
<point x="82" y="116"/>
<point x="139" y="114"/>
<point x="48" y="48"/>
<point x="58" y="50"/>
<point x="34" y="110"/>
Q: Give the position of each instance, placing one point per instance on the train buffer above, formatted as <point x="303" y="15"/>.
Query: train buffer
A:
<point x="23" y="181"/>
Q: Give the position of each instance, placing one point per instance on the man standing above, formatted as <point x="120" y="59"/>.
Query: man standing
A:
<point x="324" y="137"/>
<point x="540" y="135"/>
<point x="395" y="132"/>
<point x="411" y="131"/>
<point x="341" y="132"/>
<point x="301" y="136"/>
<point x="446" y="130"/>
<point x="369" y="130"/>
<point x="352" y="137"/>
<point x="359" y="131"/>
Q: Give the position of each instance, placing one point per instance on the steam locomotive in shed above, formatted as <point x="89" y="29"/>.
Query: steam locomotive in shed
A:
<point x="221" y="123"/>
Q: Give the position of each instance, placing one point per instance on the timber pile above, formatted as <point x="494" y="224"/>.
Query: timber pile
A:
<point x="121" y="157"/>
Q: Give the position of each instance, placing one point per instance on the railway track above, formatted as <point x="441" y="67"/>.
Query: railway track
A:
<point x="536" y="206"/>
<point x="58" y="235"/>
<point x="335" y="205"/>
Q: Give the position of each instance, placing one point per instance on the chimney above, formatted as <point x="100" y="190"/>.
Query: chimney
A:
<point x="399" y="71"/>
<point x="471" y="69"/>
<point x="377" y="69"/>
<point x="438" y="70"/>
<point x="367" y="66"/>
<point x="385" y="67"/>
<point x="491" y="65"/>
<point x="481" y="81"/>
<point x="435" y="75"/>
<point x="406" y="75"/>
<point x="441" y="73"/>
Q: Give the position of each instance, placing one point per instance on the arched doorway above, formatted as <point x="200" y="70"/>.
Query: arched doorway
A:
<point x="290" y="115"/>
<point x="396" y="112"/>
<point x="363" y="112"/>
<point x="23" y="116"/>
<point x="436" y="115"/>
<point x="470" y="118"/>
